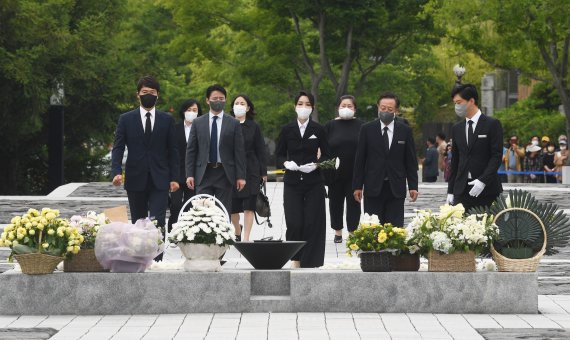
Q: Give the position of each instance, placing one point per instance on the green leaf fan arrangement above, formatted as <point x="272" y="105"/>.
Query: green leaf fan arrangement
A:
<point x="521" y="230"/>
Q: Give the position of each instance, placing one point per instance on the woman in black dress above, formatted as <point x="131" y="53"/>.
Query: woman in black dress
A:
<point x="303" y="191"/>
<point x="256" y="170"/>
<point x="342" y="134"/>
<point x="189" y="110"/>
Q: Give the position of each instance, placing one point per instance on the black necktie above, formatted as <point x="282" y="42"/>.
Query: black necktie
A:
<point x="214" y="141"/>
<point x="147" y="128"/>
<point x="386" y="140"/>
<point x="470" y="133"/>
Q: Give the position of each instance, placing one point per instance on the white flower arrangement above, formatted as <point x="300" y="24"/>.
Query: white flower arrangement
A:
<point x="449" y="231"/>
<point x="204" y="223"/>
<point x="459" y="70"/>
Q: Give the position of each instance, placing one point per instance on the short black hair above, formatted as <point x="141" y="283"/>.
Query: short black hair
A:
<point x="251" y="112"/>
<point x="431" y="140"/>
<point x="215" y="87"/>
<point x="466" y="91"/>
<point x="346" y="96"/>
<point x="188" y="103"/>
<point x="148" y="81"/>
<point x="389" y="95"/>
<point x="308" y="95"/>
<point x="441" y="135"/>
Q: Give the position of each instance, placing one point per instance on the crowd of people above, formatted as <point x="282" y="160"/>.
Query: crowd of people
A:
<point x="223" y="155"/>
<point x="540" y="160"/>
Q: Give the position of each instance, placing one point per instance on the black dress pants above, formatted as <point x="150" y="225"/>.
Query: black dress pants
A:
<point x="150" y="202"/>
<point x="386" y="206"/>
<point x="177" y="200"/>
<point x="305" y="217"/>
<point x="339" y="191"/>
<point x="216" y="183"/>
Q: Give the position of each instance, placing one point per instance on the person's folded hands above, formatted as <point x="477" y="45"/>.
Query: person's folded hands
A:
<point x="309" y="167"/>
<point x="290" y="165"/>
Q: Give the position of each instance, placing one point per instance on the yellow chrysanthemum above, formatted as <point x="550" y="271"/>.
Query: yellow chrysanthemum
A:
<point x="50" y="216"/>
<point x="45" y="245"/>
<point x="382" y="237"/>
<point x="32" y="232"/>
<point x="354" y="246"/>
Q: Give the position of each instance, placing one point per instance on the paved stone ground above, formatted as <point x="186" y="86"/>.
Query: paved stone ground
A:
<point x="554" y="285"/>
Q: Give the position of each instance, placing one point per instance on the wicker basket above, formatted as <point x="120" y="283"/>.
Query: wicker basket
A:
<point x="36" y="264"/>
<point x="375" y="261"/>
<point x="505" y="264"/>
<point x="406" y="263"/>
<point x="84" y="261"/>
<point x="458" y="261"/>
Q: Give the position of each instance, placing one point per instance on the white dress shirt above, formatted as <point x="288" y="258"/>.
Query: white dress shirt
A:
<point x="302" y="127"/>
<point x="474" y="119"/>
<point x="219" y="124"/>
<point x="143" y="117"/>
<point x="390" y="131"/>
<point x="187" y="128"/>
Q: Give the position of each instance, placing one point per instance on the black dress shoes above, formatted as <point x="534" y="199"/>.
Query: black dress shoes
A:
<point x="337" y="239"/>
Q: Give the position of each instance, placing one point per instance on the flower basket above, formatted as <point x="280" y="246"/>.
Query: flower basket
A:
<point x="203" y="233"/>
<point x="202" y="257"/>
<point x="84" y="261"/>
<point x="459" y="261"/>
<point x="375" y="261"/>
<point x="38" y="264"/>
<point x="406" y="263"/>
<point x="505" y="264"/>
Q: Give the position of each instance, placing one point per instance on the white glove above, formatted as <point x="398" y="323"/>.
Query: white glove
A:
<point x="449" y="199"/>
<point x="290" y="165"/>
<point x="306" y="168"/>
<point x="478" y="188"/>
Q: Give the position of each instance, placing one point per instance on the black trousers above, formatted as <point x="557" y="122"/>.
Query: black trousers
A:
<point x="469" y="201"/>
<point x="216" y="183"/>
<point x="339" y="191"/>
<point x="386" y="206"/>
<point x="150" y="202"/>
<point x="430" y="179"/>
<point x="177" y="200"/>
<point x="305" y="217"/>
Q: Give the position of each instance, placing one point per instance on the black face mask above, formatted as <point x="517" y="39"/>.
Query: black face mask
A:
<point x="148" y="100"/>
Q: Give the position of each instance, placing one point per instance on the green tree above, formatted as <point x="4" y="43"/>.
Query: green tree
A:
<point x="531" y="36"/>
<point x="47" y="42"/>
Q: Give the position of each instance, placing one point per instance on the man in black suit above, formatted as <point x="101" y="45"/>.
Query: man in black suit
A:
<point x="385" y="159"/>
<point x="215" y="155"/>
<point x="477" y="152"/>
<point x="152" y="162"/>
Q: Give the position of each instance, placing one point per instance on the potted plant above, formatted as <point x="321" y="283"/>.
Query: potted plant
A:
<point x="40" y="240"/>
<point x="376" y="244"/>
<point x="203" y="234"/>
<point x="88" y="226"/>
<point x="450" y="239"/>
<point x="528" y="229"/>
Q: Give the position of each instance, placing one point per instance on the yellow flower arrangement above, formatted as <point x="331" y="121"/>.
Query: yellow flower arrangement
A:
<point x="373" y="236"/>
<point x="41" y="232"/>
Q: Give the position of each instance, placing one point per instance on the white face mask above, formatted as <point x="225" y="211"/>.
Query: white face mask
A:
<point x="563" y="147"/>
<point x="190" y="115"/>
<point x="534" y="142"/>
<point x="303" y="113"/>
<point x="239" y="111"/>
<point x="345" y="113"/>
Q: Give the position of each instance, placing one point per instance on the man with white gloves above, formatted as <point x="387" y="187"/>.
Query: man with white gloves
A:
<point x="477" y="152"/>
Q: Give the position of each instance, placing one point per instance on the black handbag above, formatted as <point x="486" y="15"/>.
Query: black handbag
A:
<point x="262" y="207"/>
